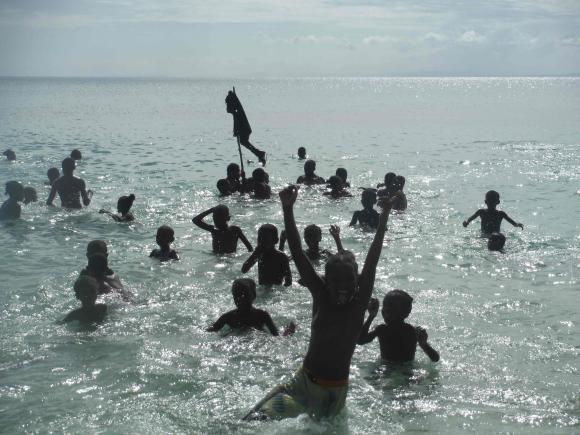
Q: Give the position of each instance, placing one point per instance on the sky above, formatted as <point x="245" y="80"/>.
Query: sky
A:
<point x="289" y="38"/>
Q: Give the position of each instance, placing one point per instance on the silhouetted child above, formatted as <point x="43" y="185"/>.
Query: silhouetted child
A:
<point x="398" y="340"/>
<point x="260" y="185"/>
<point x="10" y="155"/>
<point x="124" y="205"/>
<point x="52" y="175"/>
<point x="343" y="174"/>
<point x="30" y="195"/>
<point x="98" y="268"/>
<point x="490" y="217"/>
<point x="10" y="209"/>
<point x="223" y="187"/>
<point x="86" y="288"/>
<point x="496" y="242"/>
<point x="301" y="153"/>
<point x="398" y="185"/>
<point x="312" y="238"/>
<point x="224" y="237"/>
<point x="339" y="301"/>
<point x="165" y="237"/>
<point x="388" y="186"/>
<point x="309" y="177"/>
<point x="232" y="182"/>
<point x="70" y="188"/>
<point x="245" y="315"/>
<point x="273" y="265"/>
<point x="76" y="155"/>
<point x="337" y="189"/>
<point x="368" y="216"/>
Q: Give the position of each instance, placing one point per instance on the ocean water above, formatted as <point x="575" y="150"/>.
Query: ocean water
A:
<point x="506" y="325"/>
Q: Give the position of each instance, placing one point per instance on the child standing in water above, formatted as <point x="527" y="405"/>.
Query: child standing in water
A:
<point x="340" y="299"/>
<point x="70" y="188"/>
<point x="86" y="288"/>
<point x="273" y="265"/>
<point x="52" y="175"/>
<point x="398" y="340"/>
<point x="245" y="315"/>
<point x="124" y="205"/>
<point x="301" y="153"/>
<point x="490" y="217"/>
<point x="309" y="178"/>
<point x="368" y="216"/>
<point x="312" y="238"/>
<point x="224" y="237"/>
<point x="337" y="188"/>
<point x="10" y="209"/>
<point x="165" y="237"/>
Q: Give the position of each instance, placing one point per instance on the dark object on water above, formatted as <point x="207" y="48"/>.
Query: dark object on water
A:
<point x="10" y="155"/>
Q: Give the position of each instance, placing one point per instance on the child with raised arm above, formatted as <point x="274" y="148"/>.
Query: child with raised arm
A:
<point x="224" y="237"/>
<point x="124" y="205"/>
<point x="10" y="209"/>
<point x="273" y="265"/>
<point x="86" y="290"/>
<point x="245" y="315"/>
<point x="368" y="216"/>
<point x="165" y="237"/>
<point x="398" y="340"/>
<point x="312" y="238"/>
<point x="490" y="217"/>
<point x="340" y="299"/>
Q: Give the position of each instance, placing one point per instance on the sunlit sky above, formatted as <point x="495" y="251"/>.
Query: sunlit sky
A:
<point x="273" y="38"/>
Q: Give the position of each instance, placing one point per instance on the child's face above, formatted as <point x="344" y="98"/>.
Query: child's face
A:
<point x="164" y="239"/>
<point x="342" y="283"/>
<point x="267" y="240"/>
<point x="241" y="298"/>
<point x="312" y="241"/>
<point x="392" y="311"/>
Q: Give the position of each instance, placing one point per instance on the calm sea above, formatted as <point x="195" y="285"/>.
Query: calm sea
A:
<point x="506" y="325"/>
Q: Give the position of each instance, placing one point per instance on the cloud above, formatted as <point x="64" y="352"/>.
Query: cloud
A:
<point x="571" y="41"/>
<point x="375" y="40"/>
<point x="471" y="37"/>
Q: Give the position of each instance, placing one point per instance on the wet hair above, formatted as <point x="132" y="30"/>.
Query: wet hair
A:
<point x="309" y="165"/>
<point x="223" y="186"/>
<point x="68" y="165"/>
<point x="369" y="197"/>
<point x="125" y="203"/>
<point x="302" y="152"/>
<point x="340" y="259"/>
<point x="14" y="188"/>
<point x="389" y="178"/>
<point x="86" y="288"/>
<point x="400" y="182"/>
<point x="52" y="174"/>
<point x="221" y="210"/>
<point x="312" y="232"/>
<point x="76" y="154"/>
<point x="334" y="181"/>
<point x="341" y="172"/>
<point x="268" y="230"/>
<point x="247" y="285"/>
<point x="403" y="300"/>
<point x="165" y="230"/>
<point x="492" y="197"/>
<point x="30" y="194"/>
<point x="96" y="247"/>
<point x="496" y="242"/>
<point x="10" y="155"/>
<point x="232" y="167"/>
<point x="259" y="175"/>
<point x="98" y="263"/>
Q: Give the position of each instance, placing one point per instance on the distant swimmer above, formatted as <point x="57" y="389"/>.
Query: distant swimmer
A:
<point x="309" y="177"/>
<point x="124" y="205"/>
<point x="10" y="155"/>
<point x="343" y="174"/>
<point x="368" y="216"/>
<point x="86" y="288"/>
<point x="165" y="237"/>
<point x="98" y="268"/>
<point x="30" y="195"/>
<point x="301" y="153"/>
<point x="76" y="155"/>
<point x="337" y="188"/>
<point x="490" y="217"/>
<point x="224" y="237"/>
<point x="70" y="188"/>
<point x="52" y="175"/>
<point x="387" y="188"/>
<point x="401" y="203"/>
<point x="10" y="209"/>
<point x="245" y="315"/>
<point x="397" y="339"/>
<point x="273" y="265"/>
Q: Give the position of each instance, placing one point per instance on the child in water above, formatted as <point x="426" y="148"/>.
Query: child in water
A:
<point x="245" y="315"/>
<point x="232" y="182"/>
<point x="76" y="155"/>
<point x="273" y="265"/>
<point x="165" y="237"/>
<point x="490" y="217"/>
<point x="309" y="178"/>
<point x="10" y="155"/>
<point x="30" y="195"/>
<point x="53" y="174"/>
<point x="312" y="238"/>
<point x="301" y="153"/>
<point x="259" y="184"/>
<point x="496" y="242"/>
<point x="368" y="216"/>
<point x="10" y="209"/>
<point x="337" y="189"/>
<point x="398" y="340"/>
<point x="401" y="203"/>
<point x="388" y="187"/>
<point x="343" y="175"/>
<point x="90" y="312"/>
<point x="224" y="237"/>
<point x="98" y="268"/>
<point x="340" y="299"/>
<point x="124" y="205"/>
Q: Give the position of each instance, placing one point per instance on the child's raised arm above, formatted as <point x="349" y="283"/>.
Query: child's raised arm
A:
<point x="249" y="263"/>
<point x="244" y="239"/>
<point x="282" y="240"/>
<point x="422" y="341"/>
<point x="475" y="215"/>
<point x="364" y="336"/>
<point x="335" y="233"/>
<point x="287" y="272"/>
<point x="198" y="220"/>
<point x="511" y="221"/>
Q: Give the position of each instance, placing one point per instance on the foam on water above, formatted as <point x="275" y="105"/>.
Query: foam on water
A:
<point x="505" y="325"/>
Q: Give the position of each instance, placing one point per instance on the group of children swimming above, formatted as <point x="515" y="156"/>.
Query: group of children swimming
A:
<point x="340" y="296"/>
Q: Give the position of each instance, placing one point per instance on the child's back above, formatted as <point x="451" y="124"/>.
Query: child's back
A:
<point x="224" y="237"/>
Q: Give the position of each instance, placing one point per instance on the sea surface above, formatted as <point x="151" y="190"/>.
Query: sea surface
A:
<point x="506" y="324"/>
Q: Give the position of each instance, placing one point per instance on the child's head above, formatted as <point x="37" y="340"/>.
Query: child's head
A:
<point x="244" y="292"/>
<point x="268" y="236"/>
<point x="259" y="175"/>
<point x="15" y="190"/>
<point x="76" y="155"/>
<point x="125" y="203"/>
<point x="335" y="183"/>
<point x="86" y="288"/>
<point x="496" y="242"/>
<point x="52" y="175"/>
<point x="312" y="236"/>
<point x="98" y="264"/>
<point x="221" y="216"/>
<point x="389" y="178"/>
<point x="341" y="172"/>
<point x="30" y="195"/>
<point x="397" y="306"/>
<point x="301" y="153"/>
<point x="492" y="198"/>
<point x="165" y="235"/>
<point x="399" y="182"/>
<point x="309" y="167"/>
<point x="10" y="155"/>
<point x="68" y="166"/>
<point x="369" y="198"/>
<point x="233" y="171"/>
<point x="97" y="247"/>
<point x="341" y="276"/>
<point x="223" y="187"/>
